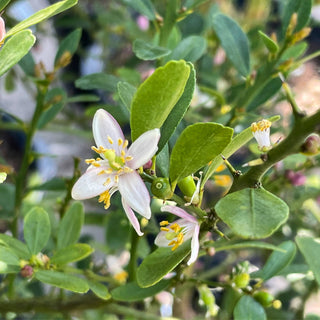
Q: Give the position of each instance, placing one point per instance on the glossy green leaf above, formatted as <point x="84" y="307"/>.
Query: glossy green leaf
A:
<point x="99" y="289"/>
<point x="132" y="292"/>
<point x="41" y="15"/>
<point x="71" y="253"/>
<point x="252" y="213"/>
<point x="236" y="143"/>
<point x="70" y="226"/>
<point x="14" y="49"/>
<point x="36" y="229"/>
<point x="268" y="42"/>
<point x="126" y="93"/>
<point x="197" y="146"/>
<point x="56" y="98"/>
<point x="157" y="96"/>
<point x="69" y="44"/>
<point x="310" y="249"/>
<point x="148" y="51"/>
<point x="178" y="111"/>
<point x="277" y="261"/>
<point x="144" y="7"/>
<point x="16" y="246"/>
<point x="8" y="256"/>
<point x="159" y="263"/>
<point x="234" y="41"/>
<point x="62" y="280"/>
<point x="249" y="309"/>
<point x="3" y="4"/>
<point x="94" y="81"/>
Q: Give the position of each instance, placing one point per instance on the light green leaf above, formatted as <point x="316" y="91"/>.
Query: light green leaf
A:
<point x="178" y="111"/>
<point x="62" y="280"/>
<point x="18" y="247"/>
<point x="94" y="81"/>
<point x="3" y="4"/>
<point x="157" y="96"/>
<point x="159" y="263"/>
<point x="145" y="7"/>
<point x="8" y="268"/>
<point x="294" y="52"/>
<point x="41" y="15"/>
<point x="252" y="213"/>
<point x="148" y="51"/>
<point x="197" y="145"/>
<point x="70" y="226"/>
<point x="8" y="256"/>
<point x="14" y="49"/>
<point x="234" y="41"/>
<point x="99" y="289"/>
<point x="277" y="261"/>
<point x="36" y="229"/>
<point x="126" y="93"/>
<point x="310" y="249"/>
<point x="132" y="292"/>
<point x="71" y="253"/>
<point x="69" y="44"/>
<point x="248" y="309"/>
<point x="268" y="42"/>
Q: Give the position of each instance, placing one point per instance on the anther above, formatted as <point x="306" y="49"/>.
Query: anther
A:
<point x="164" y="229"/>
<point x="125" y="144"/>
<point x="116" y="179"/>
<point x="110" y="140"/>
<point x="164" y="223"/>
<point x="120" y="142"/>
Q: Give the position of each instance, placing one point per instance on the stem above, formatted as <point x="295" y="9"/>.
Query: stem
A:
<point x="169" y="22"/>
<point x="132" y="267"/>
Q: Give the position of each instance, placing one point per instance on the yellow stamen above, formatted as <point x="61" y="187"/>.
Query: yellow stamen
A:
<point x="95" y="149"/>
<point x="96" y="164"/>
<point x="105" y="198"/>
<point x="260" y="125"/>
<point x="110" y="140"/>
<point x="128" y="158"/>
<point x="164" y="229"/>
<point x="107" y="182"/>
<point x="123" y="153"/>
<point x="120" y="142"/>
<point x="116" y="179"/>
<point x="121" y="276"/>
<point x="89" y="161"/>
<point x="164" y="223"/>
<point x="175" y="227"/>
<point x="125" y="144"/>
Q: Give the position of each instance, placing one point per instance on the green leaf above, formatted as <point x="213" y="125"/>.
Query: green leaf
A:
<point x="8" y="268"/>
<point x="55" y="184"/>
<point x="311" y="316"/>
<point x="310" y="249"/>
<point x="190" y="49"/>
<point x="248" y="309"/>
<point x="56" y="98"/>
<point x="277" y="261"/>
<point x="3" y="4"/>
<point x="83" y="98"/>
<point x="94" y="81"/>
<point x="14" y="49"/>
<point x="71" y="253"/>
<point x="269" y="43"/>
<point x="126" y="93"/>
<point x="62" y="280"/>
<point x="294" y="52"/>
<point x="163" y="161"/>
<point x="7" y="199"/>
<point x="159" y="263"/>
<point x="41" y="15"/>
<point x="28" y="64"/>
<point x="8" y="257"/>
<point x="197" y="145"/>
<point x="99" y="289"/>
<point x="70" y="226"/>
<point x="36" y="229"/>
<point x="16" y="246"/>
<point x="69" y="44"/>
<point x="132" y="292"/>
<point x="157" y="96"/>
<point x="252" y="213"/>
<point x="236" y="143"/>
<point x="234" y="41"/>
<point x="144" y="7"/>
<point x="148" y="51"/>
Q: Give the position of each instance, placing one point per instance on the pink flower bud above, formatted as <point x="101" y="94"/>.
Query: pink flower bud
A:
<point x="311" y="145"/>
<point x="148" y="165"/>
<point x="296" y="178"/>
<point x="26" y="271"/>
<point x="143" y="23"/>
<point x="2" y="30"/>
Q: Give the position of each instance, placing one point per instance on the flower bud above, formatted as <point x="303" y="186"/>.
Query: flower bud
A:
<point x="311" y="145"/>
<point x="26" y="271"/>
<point x="161" y="188"/>
<point x="264" y="298"/>
<point x="241" y="280"/>
<point x="187" y="186"/>
<point x="2" y="30"/>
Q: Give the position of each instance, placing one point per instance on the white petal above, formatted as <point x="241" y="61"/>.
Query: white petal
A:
<point x="132" y="218"/>
<point x="104" y="125"/>
<point x="161" y="240"/>
<point x="179" y="212"/>
<point x="90" y="184"/>
<point x="135" y="193"/>
<point x="2" y="29"/>
<point x="194" y="245"/>
<point x="144" y="148"/>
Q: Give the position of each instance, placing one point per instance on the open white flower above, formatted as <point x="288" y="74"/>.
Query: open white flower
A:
<point x="115" y="169"/>
<point x="261" y="132"/>
<point x="2" y="30"/>
<point x="174" y="234"/>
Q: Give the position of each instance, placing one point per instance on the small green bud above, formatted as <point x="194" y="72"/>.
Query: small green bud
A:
<point x="187" y="186"/>
<point x="311" y="145"/>
<point x="264" y="298"/>
<point x="241" y="280"/>
<point x="161" y="188"/>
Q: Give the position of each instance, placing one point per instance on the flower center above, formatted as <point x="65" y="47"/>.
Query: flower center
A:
<point x="260" y="125"/>
<point x="174" y="234"/>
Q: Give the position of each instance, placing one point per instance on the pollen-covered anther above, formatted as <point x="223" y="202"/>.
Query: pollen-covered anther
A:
<point x="128" y="158"/>
<point x="116" y="179"/>
<point x="105" y="198"/>
<point x="120" y="142"/>
<point x="163" y="223"/>
<point x="110" y="140"/>
<point x="260" y="125"/>
<point x="175" y="227"/>
<point x="93" y="162"/>
<point x="127" y="169"/>
<point x="125" y="144"/>
<point x="107" y="182"/>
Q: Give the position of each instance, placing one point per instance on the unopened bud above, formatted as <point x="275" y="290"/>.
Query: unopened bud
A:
<point x="2" y="30"/>
<point x="148" y="165"/>
<point x="311" y="145"/>
<point x="264" y="298"/>
<point x="26" y="271"/>
<point x="64" y="60"/>
<point x="292" y="24"/>
<point x="241" y="280"/>
<point x="277" y="304"/>
<point x="300" y="35"/>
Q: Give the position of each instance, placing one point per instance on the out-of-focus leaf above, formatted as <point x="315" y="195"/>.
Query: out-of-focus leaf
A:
<point x="268" y="42"/>
<point x="71" y="253"/>
<point x="18" y="247"/>
<point x="126" y="93"/>
<point x="145" y="7"/>
<point x="94" y="81"/>
<point x="99" y="289"/>
<point x="3" y="4"/>
<point x="147" y="51"/>
<point x="249" y="309"/>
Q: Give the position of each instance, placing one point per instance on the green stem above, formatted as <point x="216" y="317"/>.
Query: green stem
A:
<point x="132" y="266"/>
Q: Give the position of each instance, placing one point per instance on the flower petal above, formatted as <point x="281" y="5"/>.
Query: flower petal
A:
<point x="132" y="218"/>
<point x="2" y="29"/>
<point x="180" y="213"/>
<point x="135" y="193"/>
<point x="144" y="148"/>
<point x="104" y="125"/>
<point x="194" y="245"/>
<point x="91" y="184"/>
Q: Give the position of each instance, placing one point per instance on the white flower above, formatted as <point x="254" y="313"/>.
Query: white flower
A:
<point x="2" y="30"/>
<point x="115" y="169"/>
<point x="174" y="234"/>
<point x="261" y="132"/>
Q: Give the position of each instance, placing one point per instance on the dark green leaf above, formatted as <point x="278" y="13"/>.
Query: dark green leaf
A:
<point x="83" y="98"/>
<point x="234" y="41"/>
<point x="28" y="64"/>
<point x="126" y="93"/>
<point x="197" y="146"/>
<point x="18" y="247"/>
<point x="3" y="4"/>
<point x="101" y="81"/>
<point x="36" y="229"/>
<point x="7" y="191"/>
<point x="248" y="309"/>
<point x="132" y="292"/>
<point x="163" y="161"/>
<point x="99" y="289"/>
<point x="147" y="51"/>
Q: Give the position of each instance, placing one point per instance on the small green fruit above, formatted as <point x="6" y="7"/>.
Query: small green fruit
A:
<point x="264" y="298"/>
<point x="161" y="188"/>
